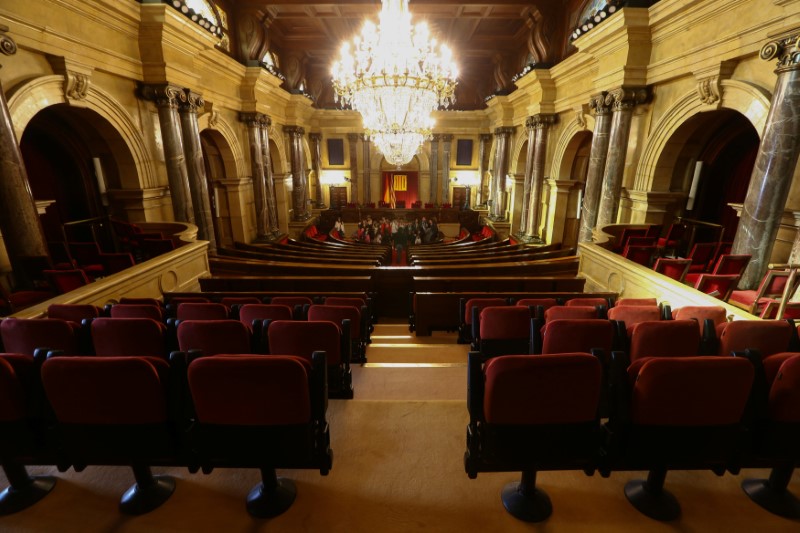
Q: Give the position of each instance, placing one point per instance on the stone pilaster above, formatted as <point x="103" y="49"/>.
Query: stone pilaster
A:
<point x="367" y="170"/>
<point x="299" y="181"/>
<point x="540" y="124"/>
<point x="316" y="162"/>
<point x="196" y="168"/>
<point x="269" y="181"/>
<point x="502" y="138"/>
<point x="526" y="190"/>
<point x="483" y="139"/>
<point x="447" y="143"/>
<point x="254" y="141"/>
<point x="434" y="161"/>
<point x="622" y="102"/>
<point x="597" y="165"/>
<point x="775" y="163"/>
<point x="352" y="139"/>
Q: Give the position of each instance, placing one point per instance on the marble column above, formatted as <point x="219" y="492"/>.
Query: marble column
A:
<point x="19" y="221"/>
<point x="541" y="126"/>
<point x="622" y="102"/>
<point x="502" y="137"/>
<point x="483" y="140"/>
<point x="447" y="143"/>
<point x="299" y="183"/>
<point x="775" y="163"/>
<point x="196" y="168"/>
<point x="352" y="139"/>
<point x="597" y="165"/>
<point x="526" y="189"/>
<point x="367" y="169"/>
<point x="253" y="122"/>
<point x="167" y="98"/>
<point x="316" y="162"/>
<point x="434" y="166"/>
<point x="269" y="179"/>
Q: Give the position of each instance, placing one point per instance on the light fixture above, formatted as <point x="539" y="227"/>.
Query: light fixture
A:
<point x="394" y="76"/>
<point x="468" y="179"/>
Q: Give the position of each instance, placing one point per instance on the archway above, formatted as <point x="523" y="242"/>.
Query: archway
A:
<point x="215" y="154"/>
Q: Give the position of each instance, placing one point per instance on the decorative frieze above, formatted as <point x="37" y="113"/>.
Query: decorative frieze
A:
<point x="786" y="50"/>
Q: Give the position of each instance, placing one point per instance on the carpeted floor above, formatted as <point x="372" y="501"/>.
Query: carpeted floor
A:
<point x="398" y="467"/>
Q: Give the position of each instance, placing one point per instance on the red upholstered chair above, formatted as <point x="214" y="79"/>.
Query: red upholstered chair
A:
<point x="504" y="330"/>
<point x="202" y="311"/>
<point x="717" y="285"/>
<point x="141" y="301"/>
<point x="299" y="304"/>
<point x="664" y="338"/>
<point x="707" y="317"/>
<point x="212" y="337"/>
<point x="777" y="439"/>
<point x="560" y="312"/>
<point x="627" y="233"/>
<point x="129" y="337"/>
<point x="537" y="305"/>
<point x="239" y="300"/>
<point x="725" y="264"/>
<point x="137" y="311"/>
<point x="676" y="269"/>
<point x="770" y="311"/>
<point x="358" y="303"/>
<point x="587" y="301"/>
<point x="702" y="254"/>
<point x="11" y="302"/>
<point x="631" y="315"/>
<point x="767" y="337"/>
<point x="27" y="335"/>
<point x="155" y="247"/>
<point x="113" y="411"/>
<point x="654" y="231"/>
<point x="673" y="237"/>
<point x="76" y="313"/>
<point x="268" y="412"/>
<point x="530" y="414"/>
<point x="772" y="286"/>
<point x="577" y="335"/>
<point x="87" y="254"/>
<point x="21" y="441"/>
<point x="117" y="262"/>
<point x="302" y="339"/>
<point x="64" y="281"/>
<point x="358" y="327"/>
<point x="257" y="318"/>
<point x="174" y="303"/>
<point x="637" y="301"/>
<point x="676" y="413"/>
<point x="642" y="255"/>
<point x="468" y="311"/>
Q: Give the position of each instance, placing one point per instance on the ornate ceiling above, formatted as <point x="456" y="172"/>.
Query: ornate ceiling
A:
<point x="491" y="41"/>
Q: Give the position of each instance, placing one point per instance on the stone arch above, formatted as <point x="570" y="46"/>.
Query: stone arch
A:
<point x="231" y="149"/>
<point x="654" y="172"/>
<point x="567" y="146"/>
<point x="135" y="163"/>
<point x="516" y="151"/>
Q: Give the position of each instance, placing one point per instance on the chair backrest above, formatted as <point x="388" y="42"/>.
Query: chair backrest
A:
<point x="12" y="395"/>
<point x="561" y="312"/>
<point x="626" y="234"/>
<point x="675" y="232"/>
<point x="691" y="391"/>
<point x="202" y="311"/>
<point x="25" y="335"/>
<point x="86" y="253"/>
<point x="732" y="264"/>
<point x="73" y="312"/>
<point x="337" y="313"/>
<point x="291" y="301"/>
<point x="633" y="314"/>
<point x="642" y="255"/>
<point x="480" y="303"/>
<point x="137" y="311"/>
<point x="672" y="268"/>
<point x="701" y="255"/>
<point x="302" y="339"/>
<point x="664" y="338"/>
<point x="768" y="337"/>
<point x="545" y="389"/>
<point x="141" y="301"/>
<point x="544" y="303"/>
<point x="654" y="231"/>
<point x="128" y="337"/>
<point x="578" y="335"/>
<point x="250" y="390"/>
<point x="770" y="311"/>
<point x="117" y="262"/>
<point x="773" y="284"/>
<point x="700" y="313"/>
<point x="214" y="337"/>
<point x="718" y="285"/>
<point x="106" y="390"/>
<point x="505" y="322"/>
<point x="250" y="312"/>
<point x="240" y="300"/>
<point x="584" y="301"/>
<point x="64" y="281"/>
<point x="784" y="394"/>
<point x="637" y="301"/>
<point x="358" y="303"/>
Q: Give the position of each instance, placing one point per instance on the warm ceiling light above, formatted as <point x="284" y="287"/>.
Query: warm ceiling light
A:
<point x="395" y="77"/>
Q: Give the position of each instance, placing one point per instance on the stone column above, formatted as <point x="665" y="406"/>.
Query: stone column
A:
<point x="597" y="165"/>
<point x="367" y="170"/>
<point x="622" y="101"/>
<point x="501" y="137"/>
<point x="196" y="168"/>
<point x="316" y="161"/>
<point x="526" y="189"/>
<point x="540" y="124"/>
<point x="269" y="179"/>
<point x="447" y="143"/>
<point x="299" y="184"/>
<point x="434" y="167"/>
<point x="254" y="121"/>
<point x="483" y="140"/>
<point x="775" y="163"/>
<point x="352" y="138"/>
<point x="19" y="221"/>
<point x="167" y="97"/>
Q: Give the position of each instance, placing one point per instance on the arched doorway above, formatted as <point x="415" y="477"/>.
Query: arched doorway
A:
<point x="215" y="172"/>
<point x="582" y="144"/>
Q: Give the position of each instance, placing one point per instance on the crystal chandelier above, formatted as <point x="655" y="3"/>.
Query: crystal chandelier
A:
<point x="394" y="76"/>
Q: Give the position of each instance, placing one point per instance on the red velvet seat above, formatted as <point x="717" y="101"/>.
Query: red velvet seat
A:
<point x="637" y="301"/>
<point x="11" y="302"/>
<point x="129" y="337"/>
<point x="664" y="338"/>
<point x="212" y="337"/>
<point x="261" y="411"/>
<point x="201" y="311"/>
<point x="26" y="335"/>
<point x="113" y="411"/>
<point x="772" y="286"/>
<point x="64" y="281"/>
<point x="571" y="312"/>
<point x="719" y="286"/>
<point x="250" y="312"/>
<point x="577" y="335"/>
<point x="770" y="310"/>
<point x="239" y="300"/>
<point x="88" y="256"/>
<point x="767" y="337"/>
<point x="702" y="254"/>
<point x="141" y="301"/>
<point x="116" y="262"/>
<point x="76" y="313"/>
<point x="680" y="413"/>
<point x="642" y="255"/>
<point x="545" y="303"/>
<point x="676" y="269"/>
<point x="725" y="264"/>
<point x="627" y="233"/>
<point x="530" y="414"/>
<point x="137" y="311"/>
<point x="707" y="317"/>
<point x="357" y="328"/>
<point x="633" y="314"/>
<point x="302" y="339"/>
<point x="504" y="330"/>
<point x="468" y="310"/>
<point x="299" y="304"/>
<point x="673" y="236"/>
<point x="583" y="301"/>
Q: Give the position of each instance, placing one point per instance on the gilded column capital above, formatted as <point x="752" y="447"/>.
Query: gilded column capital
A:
<point x="435" y="137"/>
<point x="163" y="94"/>
<point x="447" y="138"/>
<point x="316" y="137"/>
<point x="541" y="121"/>
<point x="294" y="130"/>
<point x="505" y="130"/>
<point x="7" y="45"/>
<point x="193" y="102"/>
<point x="598" y="105"/>
<point x="485" y="137"/>
<point x="786" y="50"/>
<point x="255" y="119"/>
<point x="353" y="137"/>
<point x="626" y="97"/>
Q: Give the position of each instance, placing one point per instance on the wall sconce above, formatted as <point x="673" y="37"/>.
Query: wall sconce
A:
<point x="468" y="179"/>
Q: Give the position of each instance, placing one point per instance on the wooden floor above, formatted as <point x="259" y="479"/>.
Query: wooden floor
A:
<point x="398" y="449"/>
